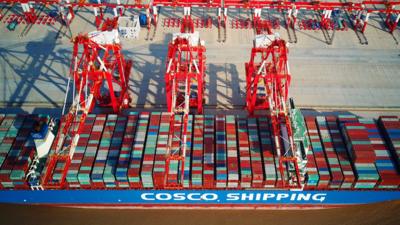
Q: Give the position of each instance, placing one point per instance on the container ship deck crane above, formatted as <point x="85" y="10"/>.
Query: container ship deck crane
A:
<point x="185" y="89"/>
<point x="268" y="79"/>
<point x="100" y="76"/>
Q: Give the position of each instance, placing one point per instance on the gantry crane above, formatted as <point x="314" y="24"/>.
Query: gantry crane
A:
<point x="67" y="9"/>
<point x="268" y="79"/>
<point x="184" y="80"/>
<point x="100" y="76"/>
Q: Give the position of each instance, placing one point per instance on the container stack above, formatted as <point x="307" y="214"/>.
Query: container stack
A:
<point x="188" y="157"/>
<point x="340" y="149"/>
<point x="255" y="154"/>
<point x="333" y="161"/>
<point x="244" y="153"/>
<point x="362" y="154"/>
<point x="146" y="173"/>
<point x="112" y="157"/>
<point x="391" y="131"/>
<point x="221" y="152"/>
<point x="7" y="135"/>
<point x="72" y="174"/>
<point x="209" y="151"/>
<point x="9" y="145"/>
<point x="197" y="153"/>
<point x="312" y="176"/>
<point x="21" y="167"/>
<point x="270" y="171"/>
<point x="390" y="178"/>
<point x="319" y="154"/>
<point x="174" y="173"/>
<point x="53" y="150"/>
<point x="121" y="173"/>
<point x="21" y="154"/>
<point x="137" y="151"/>
<point x="220" y="136"/>
<point x="3" y="131"/>
<point x="232" y="159"/>
<point x="97" y="175"/>
<point x="161" y="150"/>
<point x="7" y="140"/>
<point x="90" y="153"/>
<point x="61" y="164"/>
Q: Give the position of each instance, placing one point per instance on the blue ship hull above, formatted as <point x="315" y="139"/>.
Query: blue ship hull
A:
<point x="203" y="198"/>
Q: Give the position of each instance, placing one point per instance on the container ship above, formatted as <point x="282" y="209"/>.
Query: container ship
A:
<point x="272" y="157"/>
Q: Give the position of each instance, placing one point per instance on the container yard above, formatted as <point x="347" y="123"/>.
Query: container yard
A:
<point x="199" y="104"/>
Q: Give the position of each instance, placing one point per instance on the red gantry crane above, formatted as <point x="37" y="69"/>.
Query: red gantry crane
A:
<point x="100" y="76"/>
<point x="361" y="10"/>
<point x="268" y="79"/>
<point x="184" y="79"/>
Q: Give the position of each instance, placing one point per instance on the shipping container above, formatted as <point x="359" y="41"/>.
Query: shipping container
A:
<point x="109" y="178"/>
<point x="121" y="173"/>
<point x="332" y="159"/>
<point x="73" y="171"/>
<point x="209" y="152"/>
<point x="198" y="151"/>
<point x="268" y="156"/>
<point x="146" y="173"/>
<point x="161" y="150"/>
<point x="244" y="153"/>
<point x="188" y="155"/>
<point x="221" y="173"/>
<point x="232" y="152"/>
<point x="319" y="153"/>
<point x="340" y="149"/>
<point x="385" y="165"/>
<point x="90" y="152"/>
<point x="362" y="154"/>
<point x="136" y="156"/>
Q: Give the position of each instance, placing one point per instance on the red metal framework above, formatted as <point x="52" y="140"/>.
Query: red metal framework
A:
<point x="382" y="6"/>
<point x="187" y="25"/>
<point x="268" y="79"/>
<point x="185" y="89"/>
<point x="100" y="75"/>
<point x="392" y="20"/>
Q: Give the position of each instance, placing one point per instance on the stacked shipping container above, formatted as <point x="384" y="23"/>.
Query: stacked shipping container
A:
<point x="332" y="159"/>
<point x="10" y="147"/>
<point x="121" y="173"/>
<point x="389" y="177"/>
<point x="391" y="130"/>
<point x="361" y="152"/>
<point x="209" y="152"/>
<point x="73" y="171"/>
<point x="319" y="154"/>
<point x="161" y="151"/>
<point x="232" y="152"/>
<point x="340" y="149"/>
<point x="137" y="151"/>
<point x="109" y="178"/>
<point x="146" y="173"/>
<point x="188" y="156"/>
<point x="244" y="153"/>
<point x="270" y="169"/>
<point x="255" y="154"/>
<point x="221" y="152"/>
<point x="174" y="167"/>
<point x="197" y="153"/>
<point x="90" y="153"/>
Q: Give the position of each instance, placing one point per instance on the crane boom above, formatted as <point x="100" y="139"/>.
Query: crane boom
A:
<point x="268" y="80"/>
<point x="100" y="76"/>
